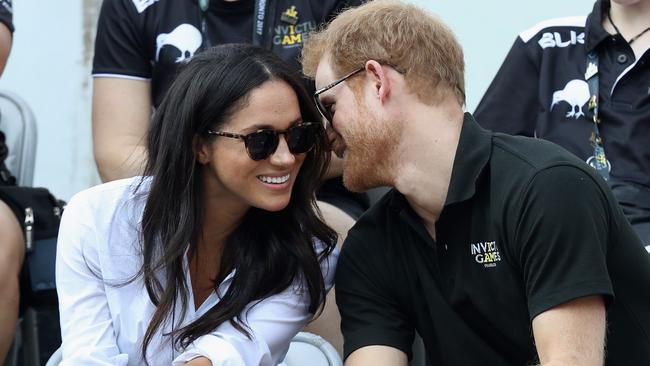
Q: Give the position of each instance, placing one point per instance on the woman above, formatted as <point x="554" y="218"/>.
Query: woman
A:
<point x="217" y="256"/>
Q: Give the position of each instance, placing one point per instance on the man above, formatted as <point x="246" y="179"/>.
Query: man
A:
<point x="498" y="250"/>
<point x="543" y="90"/>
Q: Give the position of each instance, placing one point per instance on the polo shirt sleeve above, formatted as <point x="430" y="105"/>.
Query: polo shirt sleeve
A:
<point x="120" y="48"/>
<point x="561" y="238"/>
<point x="511" y="103"/>
<point x="370" y="312"/>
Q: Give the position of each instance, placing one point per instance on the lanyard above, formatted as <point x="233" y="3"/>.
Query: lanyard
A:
<point x="260" y="15"/>
<point x="599" y="161"/>
<point x="263" y="11"/>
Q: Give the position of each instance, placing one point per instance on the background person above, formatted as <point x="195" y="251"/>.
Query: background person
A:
<point x="497" y="249"/>
<point x="541" y="90"/>
<point x="217" y="256"/>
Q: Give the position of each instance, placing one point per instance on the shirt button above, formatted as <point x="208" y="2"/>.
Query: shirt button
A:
<point x="622" y="58"/>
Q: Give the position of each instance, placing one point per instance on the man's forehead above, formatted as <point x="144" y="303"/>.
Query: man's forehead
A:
<point x="324" y="73"/>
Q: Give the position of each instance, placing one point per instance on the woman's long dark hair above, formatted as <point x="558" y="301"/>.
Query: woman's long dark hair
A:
<point x="269" y="250"/>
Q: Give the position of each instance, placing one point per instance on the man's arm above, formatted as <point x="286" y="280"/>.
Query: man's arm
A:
<point x="377" y="356"/>
<point x="563" y="233"/>
<point x="572" y="333"/>
<point x="121" y="117"/>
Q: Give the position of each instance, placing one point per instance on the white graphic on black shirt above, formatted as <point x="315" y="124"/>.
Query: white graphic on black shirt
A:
<point x="576" y="93"/>
<point x="186" y="38"/>
<point x="554" y="39"/>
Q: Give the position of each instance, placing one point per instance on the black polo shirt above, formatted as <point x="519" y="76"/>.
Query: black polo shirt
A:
<point x="526" y="226"/>
<point x="540" y="90"/>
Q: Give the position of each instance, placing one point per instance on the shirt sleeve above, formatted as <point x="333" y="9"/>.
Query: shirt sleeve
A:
<point x="120" y="44"/>
<point x="273" y="322"/>
<point x="562" y="238"/>
<point x="370" y="312"/>
<point x="511" y="102"/>
<point x="87" y="333"/>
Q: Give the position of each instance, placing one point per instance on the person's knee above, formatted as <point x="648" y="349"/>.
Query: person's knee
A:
<point x="12" y="243"/>
<point x="337" y="219"/>
<point x="327" y="324"/>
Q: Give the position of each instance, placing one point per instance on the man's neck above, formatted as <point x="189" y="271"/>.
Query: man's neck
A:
<point x="427" y="152"/>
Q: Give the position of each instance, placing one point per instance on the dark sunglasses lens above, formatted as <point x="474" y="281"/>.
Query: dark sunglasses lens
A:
<point x="261" y="144"/>
<point x="302" y="138"/>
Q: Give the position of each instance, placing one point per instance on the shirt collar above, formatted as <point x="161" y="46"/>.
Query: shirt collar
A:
<point x="472" y="154"/>
<point x="594" y="31"/>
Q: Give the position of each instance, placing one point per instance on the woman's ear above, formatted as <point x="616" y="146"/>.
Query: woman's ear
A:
<point x="201" y="150"/>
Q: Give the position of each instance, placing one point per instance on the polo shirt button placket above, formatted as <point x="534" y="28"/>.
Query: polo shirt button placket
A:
<point x="622" y="58"/>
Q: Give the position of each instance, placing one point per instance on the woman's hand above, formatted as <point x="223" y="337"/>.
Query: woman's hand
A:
<point x="200" y="361"/>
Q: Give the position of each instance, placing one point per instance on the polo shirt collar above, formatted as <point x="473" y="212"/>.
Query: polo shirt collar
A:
<point x="472" y="154"/>
<point x="594" y="31"/>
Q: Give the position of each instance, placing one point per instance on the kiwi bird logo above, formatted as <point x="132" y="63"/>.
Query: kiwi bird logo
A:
<point x="186" y="38"/>
<point x="576" y="93"/>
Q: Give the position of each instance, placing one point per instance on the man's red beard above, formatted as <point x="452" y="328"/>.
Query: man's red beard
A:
<point x="370" y="150"/>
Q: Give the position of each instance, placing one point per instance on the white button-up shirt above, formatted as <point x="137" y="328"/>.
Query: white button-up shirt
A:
<point x="103" y="321"/>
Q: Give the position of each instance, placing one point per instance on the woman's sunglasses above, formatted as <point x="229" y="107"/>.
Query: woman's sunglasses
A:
<point x="262" y="143"/>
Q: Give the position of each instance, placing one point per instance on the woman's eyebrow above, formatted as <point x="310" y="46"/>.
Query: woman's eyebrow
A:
<point x="266" y="126"/>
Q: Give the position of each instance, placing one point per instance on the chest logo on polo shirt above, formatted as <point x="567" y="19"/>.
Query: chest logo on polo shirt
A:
<point x="186" y="38"/>
<point x="291" y="32"/>
<point x="550" y="40"/>
<point x="576" y="94"/>
<point x="486" y="253"/>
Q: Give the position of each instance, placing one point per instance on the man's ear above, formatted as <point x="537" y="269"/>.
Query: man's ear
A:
<point x="201" y="150"/>
<point x="379" y="76"/>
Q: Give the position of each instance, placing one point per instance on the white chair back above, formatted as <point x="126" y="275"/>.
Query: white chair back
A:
<point x="311" y="349"/>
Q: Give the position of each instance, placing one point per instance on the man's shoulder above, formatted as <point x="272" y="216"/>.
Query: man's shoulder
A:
<point x="518" y="161"/>
<point x="528" y="154"/>
<point x="377" y="215"/>
<point x="372" y="229"/>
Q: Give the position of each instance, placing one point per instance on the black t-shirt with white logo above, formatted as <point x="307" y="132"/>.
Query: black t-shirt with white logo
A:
<point x="541" y="91"/>
<point x="148" y="39"/>
<point x="526" y="226"/>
